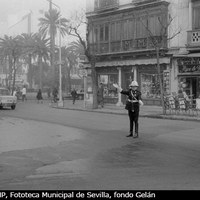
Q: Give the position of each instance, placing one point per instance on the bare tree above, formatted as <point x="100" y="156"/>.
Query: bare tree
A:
<point x="74" y="30"/>
<point x="158" y="43"/>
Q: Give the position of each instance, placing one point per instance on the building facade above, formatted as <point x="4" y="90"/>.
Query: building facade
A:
<point x="124" y="34"/>
<point x="186" y="62"/>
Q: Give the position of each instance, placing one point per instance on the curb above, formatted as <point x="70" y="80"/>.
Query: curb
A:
<point x="153" y="116"/>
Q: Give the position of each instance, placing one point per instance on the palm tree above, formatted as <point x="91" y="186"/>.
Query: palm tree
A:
<point x="76" y="47"/>
<point x="49" y="25"/>
<point x="69" y="58"/>
<point x="11" y="50"/>
<point x="41" y="50"/>
<point x="28" y="41"/>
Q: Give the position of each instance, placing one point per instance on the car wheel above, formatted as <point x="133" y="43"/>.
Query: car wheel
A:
<point x="1" y="107"/>
<point x="13" y="107"/>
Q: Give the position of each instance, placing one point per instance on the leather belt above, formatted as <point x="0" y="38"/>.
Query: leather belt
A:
<point x="133" y="101"/>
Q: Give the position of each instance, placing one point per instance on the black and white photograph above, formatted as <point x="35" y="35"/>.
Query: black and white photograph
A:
<point x="99" y="95"/>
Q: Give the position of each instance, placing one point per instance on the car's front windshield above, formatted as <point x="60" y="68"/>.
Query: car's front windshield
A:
<point x="4" y="92"/>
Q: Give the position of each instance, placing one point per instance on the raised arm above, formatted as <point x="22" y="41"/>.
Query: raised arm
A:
<point x="121" y="90"/>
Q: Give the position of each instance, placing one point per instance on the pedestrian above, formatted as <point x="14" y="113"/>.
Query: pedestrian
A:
<point x="49" y="93"/>
<point x="100" y="95"/>
<point x="24" y="93"/>
<point x="74" y="95"/>
<point x="55" y="94"/>
<point x="132" y="105"/>
<point x="39" y="96"/>
<point x="15" y="92"/>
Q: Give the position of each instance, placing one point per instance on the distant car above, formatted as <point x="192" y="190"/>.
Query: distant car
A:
<point x="7" y="100"/>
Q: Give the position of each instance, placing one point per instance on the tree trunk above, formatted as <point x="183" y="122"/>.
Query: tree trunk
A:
<point x="94" y="85"/>
<point x="14" y="75"/>
<point x="41" y="72"/>
<point x="10" y="64"/>
<point x="30" y="71"/>
<point x="69" y="85"/>
<point x="160" y="80"/>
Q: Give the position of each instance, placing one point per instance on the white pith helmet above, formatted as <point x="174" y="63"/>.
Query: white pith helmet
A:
<point x="134" y="84"/>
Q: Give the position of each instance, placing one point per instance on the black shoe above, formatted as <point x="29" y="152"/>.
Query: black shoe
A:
<point x="130" y="135"/>
<point x="135" y="135"/>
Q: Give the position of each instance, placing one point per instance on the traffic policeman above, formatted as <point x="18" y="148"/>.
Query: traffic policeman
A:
<point x="132" y="105"/>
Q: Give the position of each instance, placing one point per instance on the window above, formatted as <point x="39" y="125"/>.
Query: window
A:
<point x="141" y="28"/>
<point x="105" y="4"/>
<point x="104" y="32"/>
<point x="127" y="30"/>
<point x="118" y="30"/>
<point x="150" y="87"/>
<point x="154" y="25"/>
<point x="101" y="33"/>
<point x="196" y="16"/>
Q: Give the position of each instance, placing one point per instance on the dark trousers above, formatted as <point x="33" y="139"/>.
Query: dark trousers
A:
<point x="101" y="101"/>
<point x="74" y="99"/>
<point x="133" y="117"/>
<point x="24" y="97"/>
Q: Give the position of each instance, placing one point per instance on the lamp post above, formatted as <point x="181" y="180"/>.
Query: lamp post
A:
<point x="60" y="102"/>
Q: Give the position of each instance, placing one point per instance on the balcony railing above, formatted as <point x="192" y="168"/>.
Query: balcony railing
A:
<point x="194" y="38"/>
<point x="130" y="45"/>
<point x="141" y="2"/>
<point x="102" y="5"/>
<point x="104" y="47"/>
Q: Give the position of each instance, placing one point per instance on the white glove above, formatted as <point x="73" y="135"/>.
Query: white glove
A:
<point x="118" y="87"/>
<point x="115" y="85"/>
<point x="141" y="103"/>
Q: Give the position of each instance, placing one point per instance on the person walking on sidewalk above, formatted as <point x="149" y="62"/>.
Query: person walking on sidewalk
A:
<point x="39" y="96"/>
<point x="100" y="97"/>
<point x="74" y="94"/>
<point x="24" y="93"/>
<point x="132" y="105"/>
<point x="55" y="95"/>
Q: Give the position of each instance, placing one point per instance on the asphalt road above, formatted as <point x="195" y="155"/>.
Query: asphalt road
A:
<point x="48" y="148"/>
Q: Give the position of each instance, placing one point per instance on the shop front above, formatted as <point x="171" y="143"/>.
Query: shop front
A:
<point x="124" y="72"/>
<point x="189" y="76"/>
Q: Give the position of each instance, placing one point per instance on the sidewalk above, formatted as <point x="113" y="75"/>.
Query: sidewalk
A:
<point x="145" y="111"/>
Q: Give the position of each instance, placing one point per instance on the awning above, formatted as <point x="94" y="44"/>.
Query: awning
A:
<point x="191" y="55"/>
<point x="151" y="61"/>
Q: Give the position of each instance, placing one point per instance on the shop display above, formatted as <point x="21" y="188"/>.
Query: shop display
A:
<point x="150" y="87"/>
<point x="108" y="81"/>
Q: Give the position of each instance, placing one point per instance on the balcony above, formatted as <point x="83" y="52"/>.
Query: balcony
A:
<point x="131" y="45"/>
<point x="104" y="5"/>
<point x="193" y="38"/>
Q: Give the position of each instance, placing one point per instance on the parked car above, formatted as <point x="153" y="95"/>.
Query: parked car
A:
<point x="7" y="100"/>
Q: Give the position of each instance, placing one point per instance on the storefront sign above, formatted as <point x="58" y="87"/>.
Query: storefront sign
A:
<point x="188" y="65"/>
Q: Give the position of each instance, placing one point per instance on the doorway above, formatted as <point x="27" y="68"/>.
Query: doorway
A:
<point x="191" y="86"/>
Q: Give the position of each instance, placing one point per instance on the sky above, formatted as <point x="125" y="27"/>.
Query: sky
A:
<point x="12" y="11"/>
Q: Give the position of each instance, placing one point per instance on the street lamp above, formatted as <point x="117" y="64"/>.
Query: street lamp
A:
<point x="60" y="102"/>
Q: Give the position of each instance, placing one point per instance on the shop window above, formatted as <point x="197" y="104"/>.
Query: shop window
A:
<point x="108" y="80"/>
<point x="150" y="87"/>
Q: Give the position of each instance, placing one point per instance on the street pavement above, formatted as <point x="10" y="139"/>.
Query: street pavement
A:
<point x="47" y="148"/>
